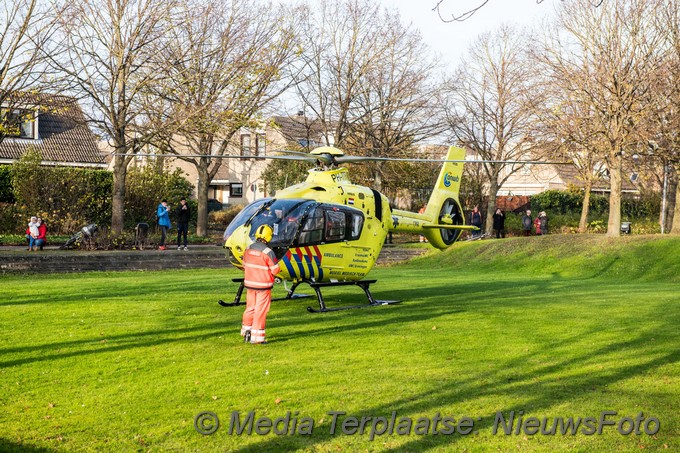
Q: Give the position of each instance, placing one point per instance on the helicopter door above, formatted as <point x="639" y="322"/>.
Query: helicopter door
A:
<point x="311" y="232"/>
<point x="326" y="224"/>
<point x="336" y="225"/>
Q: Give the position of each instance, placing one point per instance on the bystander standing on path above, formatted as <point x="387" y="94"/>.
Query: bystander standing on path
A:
<point x="183" y="215"/>
<point x="163" y="214"/>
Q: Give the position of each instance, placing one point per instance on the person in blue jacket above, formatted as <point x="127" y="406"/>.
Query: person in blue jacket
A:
<point x="163" y="214"/>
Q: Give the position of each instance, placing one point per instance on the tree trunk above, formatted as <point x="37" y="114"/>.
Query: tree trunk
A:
<point x="671" y="199"/>
<point x="615" y="172"/>
<point x="675" y="223"/>
<point x="491" y="206"/>
<point x="583" y="223"/>
<point x="377" y="179"/>
<point x="202" y="198"/>
<point x="118" y="196"/>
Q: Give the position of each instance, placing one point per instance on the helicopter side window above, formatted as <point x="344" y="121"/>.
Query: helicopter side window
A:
<point x="330" y="224"/>
<point x="335" y="226"/>
<point x="356" y="222"/>
<point x="312" y="230"/>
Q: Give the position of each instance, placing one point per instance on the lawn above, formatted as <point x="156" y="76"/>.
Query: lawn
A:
<point x="555" y="327"/>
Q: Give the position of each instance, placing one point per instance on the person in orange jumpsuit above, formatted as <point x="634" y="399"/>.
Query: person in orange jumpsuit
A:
<point x="260" y="266"/>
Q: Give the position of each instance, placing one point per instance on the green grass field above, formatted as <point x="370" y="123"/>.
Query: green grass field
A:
<point x="556" y="327"/>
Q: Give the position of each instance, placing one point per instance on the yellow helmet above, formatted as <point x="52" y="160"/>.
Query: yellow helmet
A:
<point x="264" y="232"/>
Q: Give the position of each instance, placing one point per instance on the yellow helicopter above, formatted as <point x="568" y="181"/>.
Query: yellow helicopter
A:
<point x="329" y="232"/>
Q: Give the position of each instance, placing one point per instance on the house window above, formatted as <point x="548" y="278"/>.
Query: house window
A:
<point x="245" y="145"/>
<point x="236" y="190"/>
<point x="18" y="123"/>
<point x="260" y="144"/>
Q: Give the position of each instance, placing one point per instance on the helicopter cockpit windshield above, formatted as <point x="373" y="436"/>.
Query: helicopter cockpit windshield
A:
<point x="245" y="215"/>
<point x="284" y="216"/>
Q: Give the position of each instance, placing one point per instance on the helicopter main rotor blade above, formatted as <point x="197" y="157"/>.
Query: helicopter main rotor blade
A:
<point x="322" y="157"/>
<point x="359" y="159"/>
<point x="329" y="159"/>
<point x="301" y="157"/>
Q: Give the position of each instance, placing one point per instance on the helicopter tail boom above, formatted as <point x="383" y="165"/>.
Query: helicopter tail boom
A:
<point x="442" y="220"/>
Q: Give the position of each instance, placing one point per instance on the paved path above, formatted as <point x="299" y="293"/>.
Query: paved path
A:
<point x="16" y="259"/>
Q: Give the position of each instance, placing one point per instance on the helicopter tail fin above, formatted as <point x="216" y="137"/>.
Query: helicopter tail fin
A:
<point x="442" y="220"/>
<point x="448" y="183"/>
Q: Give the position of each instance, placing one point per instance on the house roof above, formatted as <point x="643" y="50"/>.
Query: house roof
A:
<point x="569" y="174"/>
<point x="63" y="136"/>
<point x="300" y="130"/>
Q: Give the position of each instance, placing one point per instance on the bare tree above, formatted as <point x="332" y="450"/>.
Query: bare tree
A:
<point x="104" y="54"/>
<point x="467" y="12"/>
<point x="566" y="134"/>
<point x="664" y="133"/>
<point x="396" y="103"/>
<point x="490" y="106"/>
<point x="219" y="69"/>
<point x="605" y="57"/>
<point x="339" y="47"/>
<point x="368" y="79"/>
<point x="23" y="30"/>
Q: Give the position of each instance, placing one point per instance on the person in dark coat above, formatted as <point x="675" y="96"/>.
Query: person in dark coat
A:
<point x="527" y="222"/>
<point x="499" y="223"/>
<point x="543" y="222"/>
<point x="183" y="213"/>
<point x="476" y="220"/>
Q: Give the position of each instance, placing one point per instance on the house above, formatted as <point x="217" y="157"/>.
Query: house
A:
<point x="534" y="178"/>
<point x="239" y="181"/>
<point x="54" y="125"/>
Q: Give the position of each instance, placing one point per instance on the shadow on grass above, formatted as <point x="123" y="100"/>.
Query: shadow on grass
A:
<point x="163" y="289"/>
<point x="439" y="305"/>
<point x="452" y="298"/>
<point x="513" y="379"/>
<point x="205" y="332"/>
<point x="8" y="446"/>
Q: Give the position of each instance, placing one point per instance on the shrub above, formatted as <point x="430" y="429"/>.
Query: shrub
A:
<point x="66" y="197"/>
<point x="646" y="205"/>
<point x="219" y="220"/>
<point x="6" y="192"/>
<point x="146" y="186"/>
<point x="645" y="226"/>
<point x="7" y="217"/>
<point x="557" y="201"/>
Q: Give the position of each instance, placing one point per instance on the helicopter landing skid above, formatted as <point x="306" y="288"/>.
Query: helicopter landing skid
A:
<point x="239" y="293"/>
<point x="363" y="284"/>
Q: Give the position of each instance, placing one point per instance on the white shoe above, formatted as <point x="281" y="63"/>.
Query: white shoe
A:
<point x="179" y="248"/>
<point x="186" y="248"/>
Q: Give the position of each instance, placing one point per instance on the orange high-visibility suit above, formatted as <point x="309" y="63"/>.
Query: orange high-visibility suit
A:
<point x="260" y="265"/>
